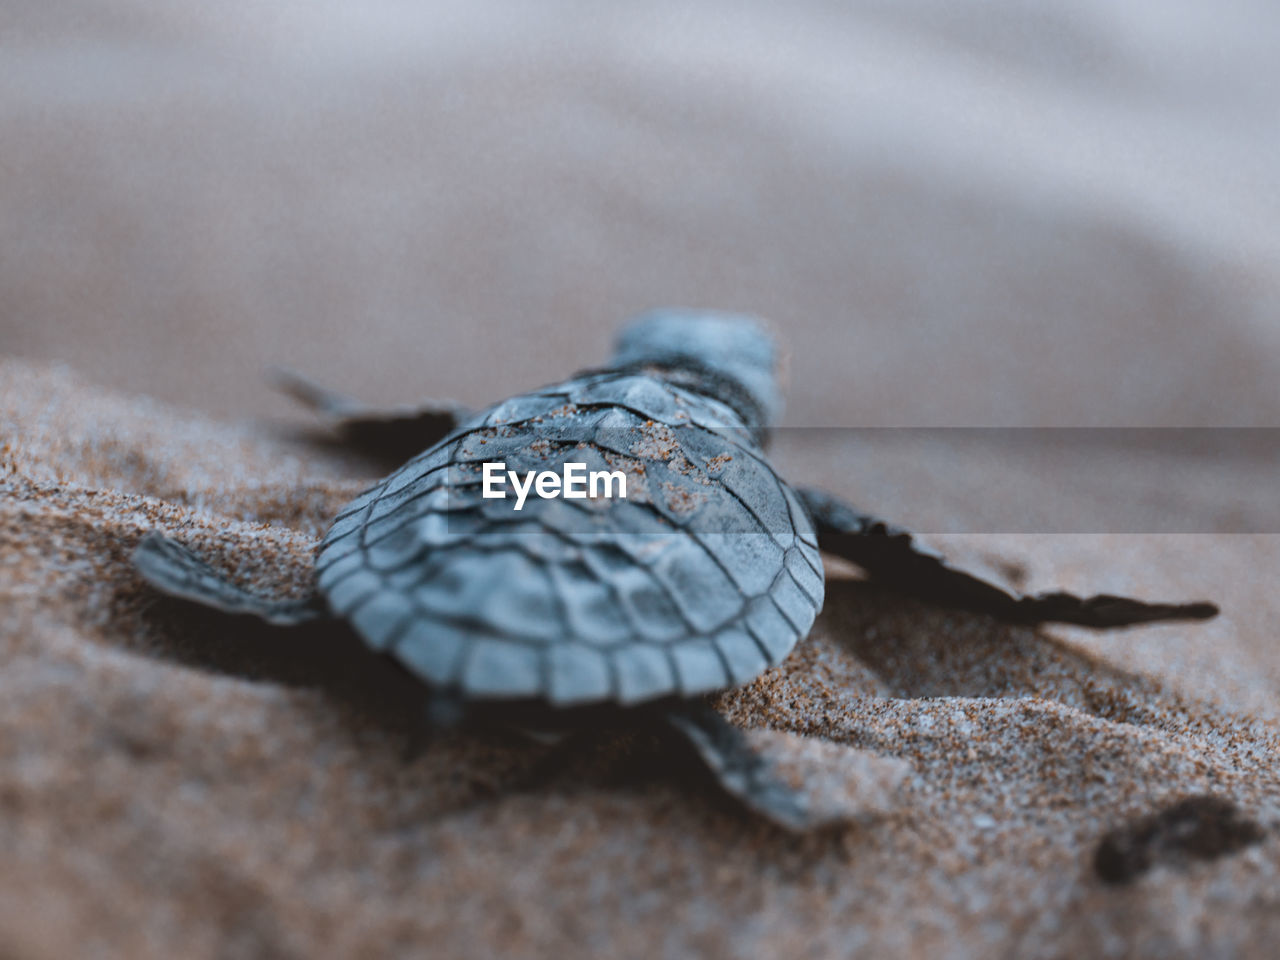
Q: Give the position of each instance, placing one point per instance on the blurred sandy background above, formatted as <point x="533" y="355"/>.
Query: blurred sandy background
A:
<point x="986" y="213"/>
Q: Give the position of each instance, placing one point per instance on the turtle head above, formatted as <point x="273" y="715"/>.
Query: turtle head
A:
<point x="729" y="356"/>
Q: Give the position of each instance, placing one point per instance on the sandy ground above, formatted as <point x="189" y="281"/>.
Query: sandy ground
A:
<point x="981" y="215"/>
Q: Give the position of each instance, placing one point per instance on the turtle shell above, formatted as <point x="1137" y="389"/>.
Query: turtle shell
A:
<point x="704" y="575"/>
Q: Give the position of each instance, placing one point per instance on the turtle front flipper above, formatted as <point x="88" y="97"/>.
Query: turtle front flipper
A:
<point x="394" y="435"/>
<point x="892" y="556"/>
<point x="173" y="569"/>
<point x="739" y="770"/>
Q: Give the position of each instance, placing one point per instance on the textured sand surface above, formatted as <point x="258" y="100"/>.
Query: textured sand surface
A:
<point x="996" y="213"/>
<point x="174" y="783"/>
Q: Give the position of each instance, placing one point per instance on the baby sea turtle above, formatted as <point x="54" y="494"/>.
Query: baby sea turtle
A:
<point x="702" y="577"/>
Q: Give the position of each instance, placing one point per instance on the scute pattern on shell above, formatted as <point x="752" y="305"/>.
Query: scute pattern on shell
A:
<point x="705" y="575"/>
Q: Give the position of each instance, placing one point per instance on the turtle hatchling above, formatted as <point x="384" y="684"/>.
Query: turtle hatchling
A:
<point x="615" y="544"/>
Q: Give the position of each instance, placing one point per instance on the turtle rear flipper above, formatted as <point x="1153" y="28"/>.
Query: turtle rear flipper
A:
<point x="740" y="771"/>
<point x="173" y="569"/>
<point x="892" y="556"/>
<point x="395" y="434"/>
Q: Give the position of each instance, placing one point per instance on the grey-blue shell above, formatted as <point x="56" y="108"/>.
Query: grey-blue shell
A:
<point x="705" y="575"/>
